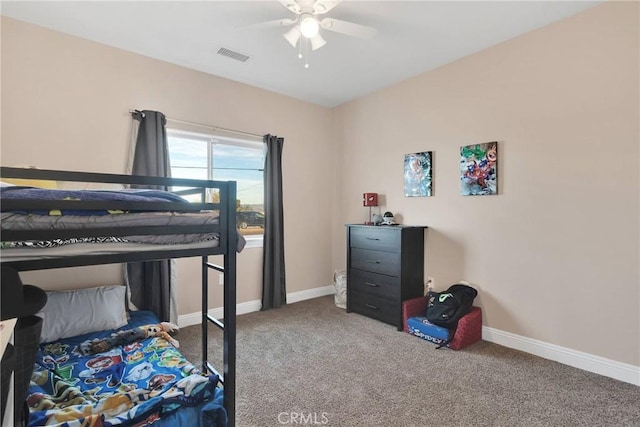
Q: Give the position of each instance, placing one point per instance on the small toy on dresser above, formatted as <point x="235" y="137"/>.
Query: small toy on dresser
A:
<point x="388" y="219"/>
<point x="128" y="336"/>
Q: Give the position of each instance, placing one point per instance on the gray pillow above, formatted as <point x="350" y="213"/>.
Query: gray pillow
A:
<point x="77" y="312"/>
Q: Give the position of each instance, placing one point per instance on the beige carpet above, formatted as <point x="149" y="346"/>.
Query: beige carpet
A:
<point x="310" y="363"/>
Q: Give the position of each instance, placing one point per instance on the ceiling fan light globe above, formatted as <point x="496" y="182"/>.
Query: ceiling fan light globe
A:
<point x="317" y="42"/>
<point x="309" y="26"/>
<point x="292" y="36"/>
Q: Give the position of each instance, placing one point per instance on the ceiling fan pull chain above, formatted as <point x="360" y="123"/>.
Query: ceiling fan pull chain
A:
<point x="306" y="52"/>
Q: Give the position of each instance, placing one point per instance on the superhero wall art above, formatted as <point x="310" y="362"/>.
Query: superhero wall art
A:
<point x="417" y="174"/>
<point x="479" y="169"/>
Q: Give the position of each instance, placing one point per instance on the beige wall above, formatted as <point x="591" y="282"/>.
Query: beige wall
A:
<point x="65" y="104"/>
<point x="555" y="255"/>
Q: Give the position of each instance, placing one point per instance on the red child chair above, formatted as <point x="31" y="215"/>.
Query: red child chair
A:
<point x="469" y="328"/>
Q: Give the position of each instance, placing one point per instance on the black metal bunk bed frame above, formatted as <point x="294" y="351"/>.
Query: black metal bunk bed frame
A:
<point x="227" y="243"/>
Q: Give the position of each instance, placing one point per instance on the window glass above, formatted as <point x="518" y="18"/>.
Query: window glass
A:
<point x="200" y="156"/>
<point x="188" y="157"/>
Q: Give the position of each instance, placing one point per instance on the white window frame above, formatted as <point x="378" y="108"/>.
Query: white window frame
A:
<point x="253" y="241"/>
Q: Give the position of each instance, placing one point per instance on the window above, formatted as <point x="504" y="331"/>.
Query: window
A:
<point x="201" y="156"/>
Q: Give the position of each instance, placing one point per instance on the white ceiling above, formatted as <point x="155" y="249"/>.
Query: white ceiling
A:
<point x="413" y="37"/>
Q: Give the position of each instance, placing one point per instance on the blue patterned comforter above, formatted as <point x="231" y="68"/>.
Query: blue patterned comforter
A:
<point x="31" y="193"/>
<point x="139" y="384"/>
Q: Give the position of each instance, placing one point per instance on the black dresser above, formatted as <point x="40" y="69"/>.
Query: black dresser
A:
<point x="385" y="266"/>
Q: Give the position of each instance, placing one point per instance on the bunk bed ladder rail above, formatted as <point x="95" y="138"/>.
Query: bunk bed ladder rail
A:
<point x="228" y="376"/>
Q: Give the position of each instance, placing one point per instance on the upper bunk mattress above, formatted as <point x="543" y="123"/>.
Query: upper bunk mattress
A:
<point x="18" y="221"/>
<point x="105" y="248"/>
<point x="84" y="243"/>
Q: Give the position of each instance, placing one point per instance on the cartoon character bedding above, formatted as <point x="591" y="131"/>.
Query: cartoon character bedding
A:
<point x="143" y="382"/>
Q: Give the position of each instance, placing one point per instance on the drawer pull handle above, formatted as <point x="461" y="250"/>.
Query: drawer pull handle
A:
<point x="372" y="238"/>
<point x="373" y="261"/>
<point x="371" y="306"/>
<point x="373" y="285"/>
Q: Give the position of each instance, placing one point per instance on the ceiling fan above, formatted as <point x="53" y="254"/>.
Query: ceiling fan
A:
<point x="308" y="21"/>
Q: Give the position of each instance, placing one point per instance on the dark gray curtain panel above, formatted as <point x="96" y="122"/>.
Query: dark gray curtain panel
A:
<point x="151" y="156"/>
<point x="274" y="292"/>
<point x="150" y="282"/>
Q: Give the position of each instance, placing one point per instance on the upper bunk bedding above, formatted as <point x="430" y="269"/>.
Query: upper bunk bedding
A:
<point x="118" y="221"/>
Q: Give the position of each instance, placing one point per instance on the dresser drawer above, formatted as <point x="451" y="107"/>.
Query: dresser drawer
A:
<point x="376" y="307"/>
<point x="384" y="267"/>
<point x="374" y="284"/>
<point x="375" y="238"/>
<point x="375" y="261"/>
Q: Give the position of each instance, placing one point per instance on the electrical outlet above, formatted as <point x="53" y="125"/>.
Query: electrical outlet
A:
<point x="221" y="279"/>
<point x="431" y="283"/>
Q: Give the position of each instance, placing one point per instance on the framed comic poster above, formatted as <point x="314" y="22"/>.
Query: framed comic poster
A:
<point x="479" y="169"/>
<point x="417" y="174"/>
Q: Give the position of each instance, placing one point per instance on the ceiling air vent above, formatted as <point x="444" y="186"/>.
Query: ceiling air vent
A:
<point x="233" y="55"/>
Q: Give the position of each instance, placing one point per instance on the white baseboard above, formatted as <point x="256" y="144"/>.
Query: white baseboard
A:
<point x="310" y="293"/>
<point x="585" y="361"/>
<point x="255" y="305"/>
<point x="588" y="362"/>
<point x="217" y="313"/>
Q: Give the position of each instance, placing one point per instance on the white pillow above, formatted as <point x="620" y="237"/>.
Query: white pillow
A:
<point x="77" y="312"/>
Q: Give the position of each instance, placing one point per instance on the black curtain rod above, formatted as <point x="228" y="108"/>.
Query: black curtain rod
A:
<point x="204" y="125"/>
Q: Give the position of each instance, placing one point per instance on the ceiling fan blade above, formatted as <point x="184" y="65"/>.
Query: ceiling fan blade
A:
<point x="323" y="6"/>
<point x="348" y="28"/>
<point x="293" y="35"/>
<point x="277" y="23"/>
<point x="291" y="5"/>
<point x="317" y="42"/>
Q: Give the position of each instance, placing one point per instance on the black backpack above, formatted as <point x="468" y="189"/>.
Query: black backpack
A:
<point x="447" y="308"/>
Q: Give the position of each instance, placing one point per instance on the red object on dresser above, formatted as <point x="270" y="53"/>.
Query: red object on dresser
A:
<point x="469" y="330"/>
<point x="370" y="199"/>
